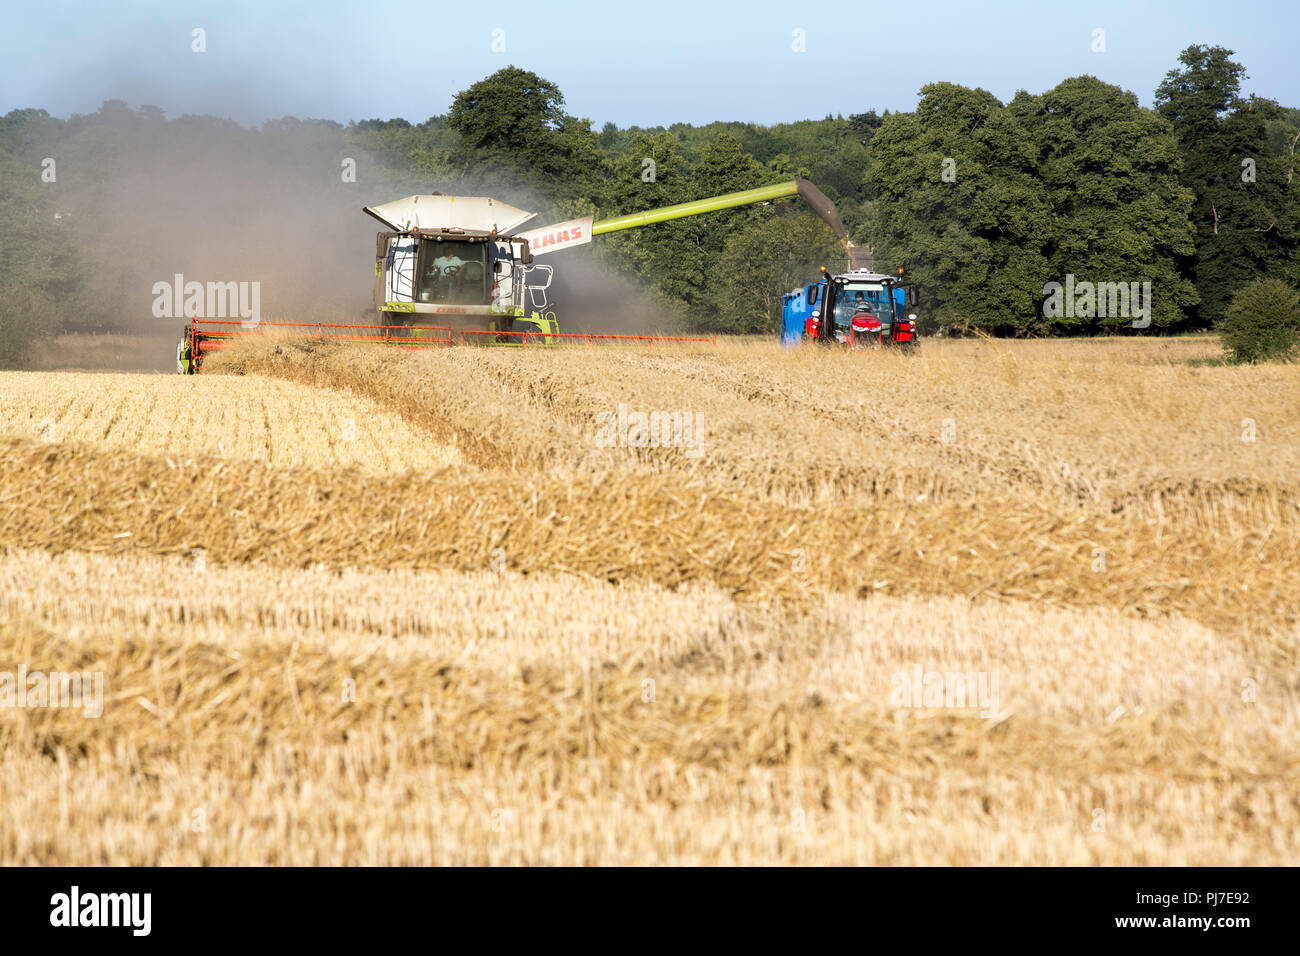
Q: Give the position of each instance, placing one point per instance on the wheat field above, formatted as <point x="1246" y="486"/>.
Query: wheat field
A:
<point x="257" y="419"/>
<point x="998" y="603"/>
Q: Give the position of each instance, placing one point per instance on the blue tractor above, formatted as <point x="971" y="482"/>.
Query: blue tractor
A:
<point x="858" y="309"/>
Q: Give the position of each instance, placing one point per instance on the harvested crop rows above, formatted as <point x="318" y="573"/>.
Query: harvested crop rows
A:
<point x="476" y="633"/>
<point x="260" y="419"/>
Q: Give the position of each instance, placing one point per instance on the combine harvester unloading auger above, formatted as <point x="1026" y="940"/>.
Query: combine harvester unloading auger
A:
<point x="460" y="270"/>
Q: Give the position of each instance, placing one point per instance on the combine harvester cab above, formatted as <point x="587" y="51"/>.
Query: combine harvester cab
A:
<point x="455" y="266"/>
<point x="857" y="309"/>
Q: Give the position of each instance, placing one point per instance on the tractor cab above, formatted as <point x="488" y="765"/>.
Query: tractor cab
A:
<point x="862" y="305"/>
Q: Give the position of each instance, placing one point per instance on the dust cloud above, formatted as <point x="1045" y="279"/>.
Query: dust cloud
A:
<point x="213" y="201"/>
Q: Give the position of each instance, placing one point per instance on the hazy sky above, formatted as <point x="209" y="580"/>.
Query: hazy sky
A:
<point x="636" y="63"/>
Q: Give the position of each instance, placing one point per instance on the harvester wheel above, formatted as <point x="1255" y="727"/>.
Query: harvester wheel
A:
<point x="396" y="330"/>
<point x="517" y="329"/>
<point x="185" y="364"/>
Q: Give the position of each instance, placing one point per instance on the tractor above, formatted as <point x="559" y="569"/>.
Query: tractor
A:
<point x="859" y="309"/>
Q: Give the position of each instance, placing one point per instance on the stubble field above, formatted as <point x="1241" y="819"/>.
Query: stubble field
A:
<point x="366" y="606"/>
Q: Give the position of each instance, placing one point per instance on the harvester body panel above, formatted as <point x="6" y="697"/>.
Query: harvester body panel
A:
<point x="562" y="235"/>
<point x="435" y="212"/>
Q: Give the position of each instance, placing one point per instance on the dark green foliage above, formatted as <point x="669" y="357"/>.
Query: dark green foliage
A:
<point x="1108" y="171"/>
<point x="681" y="258"/>
<point x="986" y="204"/>
<point x="1261" y="322"/>
<point x="512" y="127"/>
<point x="760" y="263"/>
<point x="959" y="205"/>
<point x="1246" y="211"/>
<point x="864" y="125"/>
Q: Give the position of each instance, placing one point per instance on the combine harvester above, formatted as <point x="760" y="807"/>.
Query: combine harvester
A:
<point x="460" y="270"/>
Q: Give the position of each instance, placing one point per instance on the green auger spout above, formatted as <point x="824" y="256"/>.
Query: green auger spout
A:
<point x="635" y="220"/>
<point x="810" y="194"/>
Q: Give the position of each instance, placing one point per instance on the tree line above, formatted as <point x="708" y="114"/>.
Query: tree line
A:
<point x="984" y="203"/>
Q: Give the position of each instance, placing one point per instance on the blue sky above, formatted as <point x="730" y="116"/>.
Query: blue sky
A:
<point x="636" y="63"/>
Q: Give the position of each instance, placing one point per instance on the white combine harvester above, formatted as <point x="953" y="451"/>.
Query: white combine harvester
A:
<point x="462" y="263"/>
